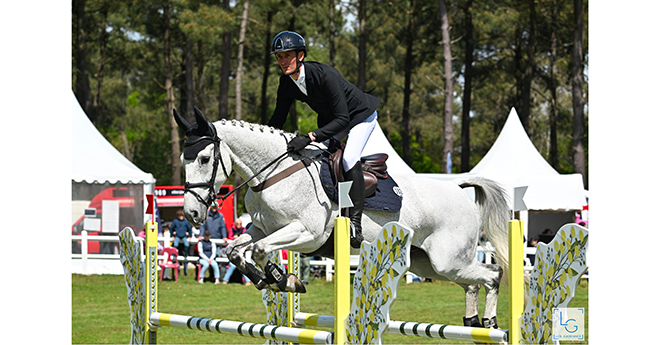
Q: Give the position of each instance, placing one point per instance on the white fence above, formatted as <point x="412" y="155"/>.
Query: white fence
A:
<point x="85" y="263"/>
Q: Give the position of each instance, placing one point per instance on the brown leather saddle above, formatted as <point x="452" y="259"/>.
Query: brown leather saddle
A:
<point x="373" y="167"/>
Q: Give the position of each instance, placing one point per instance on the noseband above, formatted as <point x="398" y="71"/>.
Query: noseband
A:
<point x="217" y="159"/>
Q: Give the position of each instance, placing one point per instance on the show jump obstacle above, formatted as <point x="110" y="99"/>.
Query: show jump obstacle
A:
<point x="365" y="317"/>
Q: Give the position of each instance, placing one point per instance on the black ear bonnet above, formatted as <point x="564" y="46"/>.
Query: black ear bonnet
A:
<point x="197" y="140"/>
<point x="198" y="135"/>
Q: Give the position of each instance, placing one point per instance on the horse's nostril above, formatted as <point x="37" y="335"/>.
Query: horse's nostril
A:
<point x="194" y="214"/>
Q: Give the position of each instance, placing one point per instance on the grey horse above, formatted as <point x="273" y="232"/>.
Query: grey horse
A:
<point x="296" y="214"/>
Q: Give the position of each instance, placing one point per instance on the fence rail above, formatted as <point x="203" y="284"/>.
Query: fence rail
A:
<point x="326" y="263"/>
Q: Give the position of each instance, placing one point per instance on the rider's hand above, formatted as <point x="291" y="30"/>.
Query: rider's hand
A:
<point x="298" y="143"/>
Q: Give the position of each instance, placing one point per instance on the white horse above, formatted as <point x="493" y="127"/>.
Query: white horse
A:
<point x="296" y="214"/>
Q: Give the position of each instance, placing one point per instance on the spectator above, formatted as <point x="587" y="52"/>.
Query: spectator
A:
<point x="182" y="230"/>
<point x="215" y="223"/>
<point x="207" y="254"/>
<point x="546" y="236"/>
<point x="236" y="230"/>
<point x="532" y="243"/>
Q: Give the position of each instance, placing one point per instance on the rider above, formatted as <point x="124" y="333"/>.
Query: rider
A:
<point x="342" y="110"/>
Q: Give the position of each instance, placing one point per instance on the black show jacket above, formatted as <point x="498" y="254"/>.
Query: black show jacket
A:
<point x="340" y="105"/>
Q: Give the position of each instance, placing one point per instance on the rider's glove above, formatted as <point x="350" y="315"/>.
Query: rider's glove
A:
<point x="298" y="143"/>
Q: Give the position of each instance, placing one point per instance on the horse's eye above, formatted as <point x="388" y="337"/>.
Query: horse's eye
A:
<point x="204" y="160"/>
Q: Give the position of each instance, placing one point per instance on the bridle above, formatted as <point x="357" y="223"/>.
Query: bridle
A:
<point x="217" y="159"/>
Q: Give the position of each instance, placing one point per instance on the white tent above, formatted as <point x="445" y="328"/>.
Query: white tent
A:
<point x="94" y="159"/>
<point x="96" y="166"/>
<point x="513" y="161"/>
<point x="378" y="143"/>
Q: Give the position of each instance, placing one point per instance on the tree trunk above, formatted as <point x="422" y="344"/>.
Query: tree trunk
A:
<point x="579" y="163"/>
<point x="554" y="156"/>
<point x="266" y="74"/>
<point x="467" y="89"/>
<point x="239" y="68"/>
<point x="406" y="122"/>
<point x="331" y="34"/>
<point x="82" y="88"/>
<point x="362" y="45"/>
<point x="190" y="86"/>
<point x="96" y="105"/>
<point x="528" y="73"/>
<point x="449" y="88"/>
<point x="169" y="97"/>
<point x="199" y="87"/>
<point x="223" y="100"/>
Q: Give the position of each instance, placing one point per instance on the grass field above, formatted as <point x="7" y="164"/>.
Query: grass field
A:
<point x="100" y="313"/>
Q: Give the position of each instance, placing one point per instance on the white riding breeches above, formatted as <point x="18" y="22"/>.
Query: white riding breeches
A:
<point x="357" y="140"/>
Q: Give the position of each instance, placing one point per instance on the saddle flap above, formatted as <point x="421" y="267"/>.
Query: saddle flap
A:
<point x="373" y="167"/>
<point x="370" y="183"/>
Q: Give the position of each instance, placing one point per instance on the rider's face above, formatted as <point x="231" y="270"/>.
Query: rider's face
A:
<point x="287" y="62"/>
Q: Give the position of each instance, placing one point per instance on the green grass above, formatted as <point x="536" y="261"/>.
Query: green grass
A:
<point x="100" y="313"/>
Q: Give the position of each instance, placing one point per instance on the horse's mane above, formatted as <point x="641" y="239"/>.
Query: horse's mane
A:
<point x="268" y="130"/>
<point x="256" y="126"/>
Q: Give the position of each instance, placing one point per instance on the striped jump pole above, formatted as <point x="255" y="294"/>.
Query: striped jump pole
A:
<point x="479" y="335"/>
<point x="247" y="329"/>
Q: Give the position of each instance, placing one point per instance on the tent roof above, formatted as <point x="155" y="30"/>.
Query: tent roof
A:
<point x="514" y="161"/>
<point x="378" y="143"/>
<point x="94" y="159"/>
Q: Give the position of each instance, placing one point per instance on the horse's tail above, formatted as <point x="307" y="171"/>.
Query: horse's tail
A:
<point x="492" y="201"/>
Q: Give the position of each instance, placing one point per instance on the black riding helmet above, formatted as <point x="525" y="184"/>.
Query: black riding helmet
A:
<point x="288" y="40"/>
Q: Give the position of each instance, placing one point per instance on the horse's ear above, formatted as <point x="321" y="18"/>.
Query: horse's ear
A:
<point x="202" y="122"/>
<point x="183" y="123"/>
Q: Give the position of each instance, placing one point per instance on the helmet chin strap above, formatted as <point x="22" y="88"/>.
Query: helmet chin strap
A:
<point x="298" y="63"/>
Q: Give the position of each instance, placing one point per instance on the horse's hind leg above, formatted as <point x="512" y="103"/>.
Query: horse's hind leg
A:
<point x="471" y="318"/>
<point x="488" y="275"/>
<point x="493" y="290"/>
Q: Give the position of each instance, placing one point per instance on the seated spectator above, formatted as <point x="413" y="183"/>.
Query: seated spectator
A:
<point x="236" y="230"/>
<point x="182" y="230"/>
<point x="207" y="254"/>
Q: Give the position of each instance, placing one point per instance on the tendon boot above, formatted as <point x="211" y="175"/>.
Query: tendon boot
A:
<point x="489" y="323"/>
<point x="472" y="321"/>
<point x="357" y="197"/>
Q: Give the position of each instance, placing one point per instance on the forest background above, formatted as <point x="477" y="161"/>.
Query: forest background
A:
<point x="448" y="72"/>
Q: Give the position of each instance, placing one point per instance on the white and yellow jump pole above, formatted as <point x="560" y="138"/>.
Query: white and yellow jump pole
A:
<point x="156" y="319"/>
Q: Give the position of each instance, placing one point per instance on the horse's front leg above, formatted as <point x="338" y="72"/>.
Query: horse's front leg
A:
<point x="236" y="255"/>
<point x="292" y="237"/>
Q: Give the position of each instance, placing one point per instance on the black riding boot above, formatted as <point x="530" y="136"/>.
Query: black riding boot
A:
<point x="357" y="197"/>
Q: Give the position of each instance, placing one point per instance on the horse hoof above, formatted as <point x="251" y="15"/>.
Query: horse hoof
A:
<point x="296" y="284"/>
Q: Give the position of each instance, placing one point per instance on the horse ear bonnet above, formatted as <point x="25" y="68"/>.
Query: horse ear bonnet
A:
<point x="198" y="136"/>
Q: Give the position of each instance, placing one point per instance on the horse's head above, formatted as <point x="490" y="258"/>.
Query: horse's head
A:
<point x="207" y="165"/>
